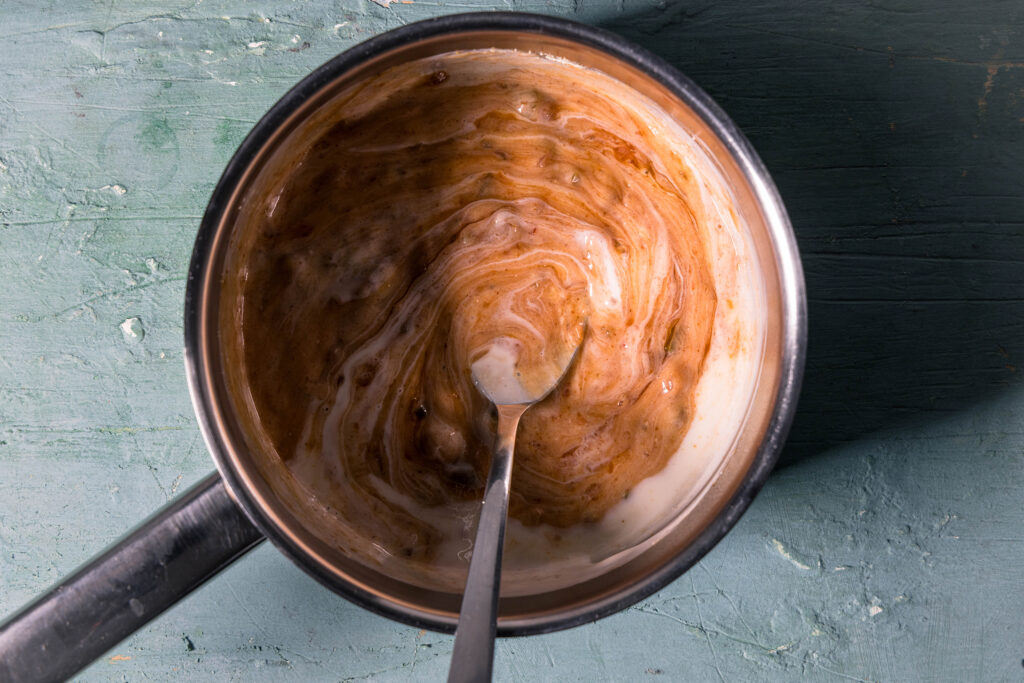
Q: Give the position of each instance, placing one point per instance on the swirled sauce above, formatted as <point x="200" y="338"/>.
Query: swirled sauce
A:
<point x="456" y="201"/>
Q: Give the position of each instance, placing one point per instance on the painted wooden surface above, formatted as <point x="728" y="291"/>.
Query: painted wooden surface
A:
<point x="888" y="546"/>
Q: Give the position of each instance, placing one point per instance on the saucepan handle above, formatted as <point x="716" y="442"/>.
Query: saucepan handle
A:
<point x="132" y="582"/>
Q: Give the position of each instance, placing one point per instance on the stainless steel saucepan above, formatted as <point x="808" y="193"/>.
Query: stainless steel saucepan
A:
<point x="233" y="510"/>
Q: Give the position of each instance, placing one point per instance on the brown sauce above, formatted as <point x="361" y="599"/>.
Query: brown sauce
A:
<point x="447" y="202"/>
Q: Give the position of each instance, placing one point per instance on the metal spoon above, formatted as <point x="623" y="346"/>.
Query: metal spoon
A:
<point x="495" y="376"/>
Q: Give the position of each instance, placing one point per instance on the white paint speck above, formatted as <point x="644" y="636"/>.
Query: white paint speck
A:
<point x="132" y="330"/>
<point x="257" y="43"/>
<point x="116" y="189"/>
<point x="382" y="3"/>
<point x="296" y="38"/>
<point x="874" y="610"/>
<point x="781" y="549"/>
<point x="341" y="25"/>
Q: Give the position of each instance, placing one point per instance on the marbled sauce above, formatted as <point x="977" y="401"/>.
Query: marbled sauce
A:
<point x="448" y="203"/>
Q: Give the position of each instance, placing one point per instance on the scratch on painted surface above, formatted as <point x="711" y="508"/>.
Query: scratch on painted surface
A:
<point x="990" y="78"/>
<point x="783" y="651"/>
<point x="707" y="636"/>
<point x="113" y="293"/>
<point x="781" y="549"/>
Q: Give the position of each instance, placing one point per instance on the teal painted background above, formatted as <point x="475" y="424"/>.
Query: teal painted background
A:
<point x="888" y="546"/>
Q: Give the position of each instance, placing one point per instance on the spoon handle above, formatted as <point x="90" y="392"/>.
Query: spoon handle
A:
<point x="473" y="655"/>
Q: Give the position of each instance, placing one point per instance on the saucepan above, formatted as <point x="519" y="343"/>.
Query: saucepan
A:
<point x="234" y="509"/>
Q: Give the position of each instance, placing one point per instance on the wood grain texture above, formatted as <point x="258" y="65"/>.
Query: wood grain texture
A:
<point x="888" y="546"/>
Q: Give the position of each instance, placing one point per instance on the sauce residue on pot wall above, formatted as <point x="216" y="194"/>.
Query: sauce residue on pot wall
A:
<point x="467" y="197"/>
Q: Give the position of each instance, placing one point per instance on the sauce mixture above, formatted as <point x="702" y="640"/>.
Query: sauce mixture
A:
<point x="446" y="204"/>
